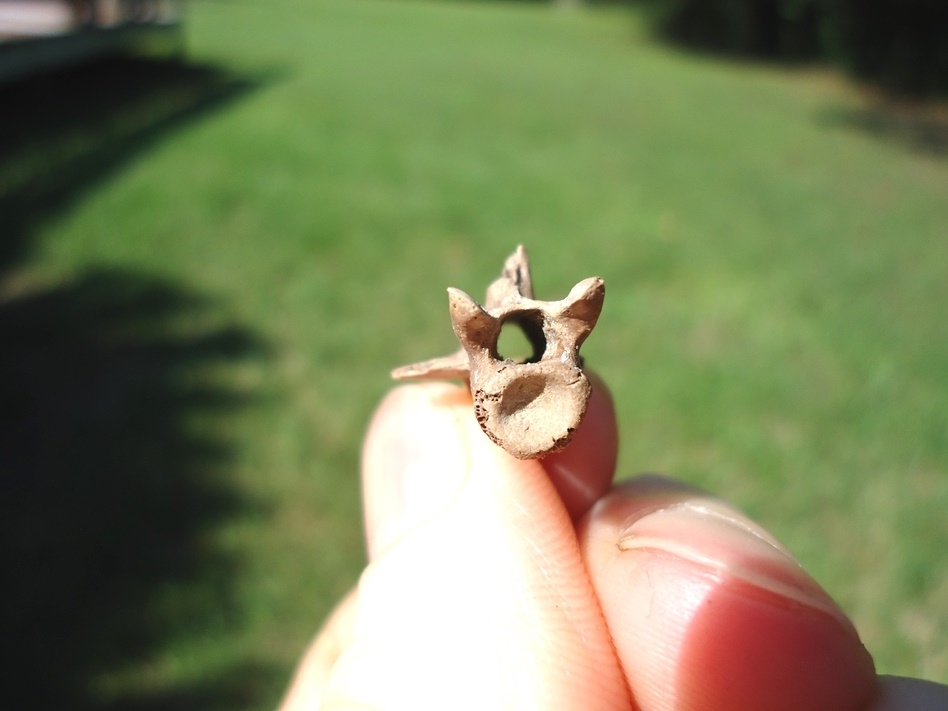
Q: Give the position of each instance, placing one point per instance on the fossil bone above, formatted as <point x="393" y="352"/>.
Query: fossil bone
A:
<point x="530" y="408"/>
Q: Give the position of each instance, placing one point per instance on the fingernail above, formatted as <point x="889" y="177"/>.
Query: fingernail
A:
<point x="709" y="534"/>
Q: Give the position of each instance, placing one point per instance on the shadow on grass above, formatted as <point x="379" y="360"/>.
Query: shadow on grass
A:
<point x="115" y="403"/>
<point x="113" y="476"/>
<point x="922" y="129"/>
<point x="62" y="134"/>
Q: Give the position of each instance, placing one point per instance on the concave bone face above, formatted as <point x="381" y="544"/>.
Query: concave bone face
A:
<point x="531" y="409"/>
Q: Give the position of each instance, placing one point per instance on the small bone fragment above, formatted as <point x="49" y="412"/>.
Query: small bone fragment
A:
<point x="529" y="408"/>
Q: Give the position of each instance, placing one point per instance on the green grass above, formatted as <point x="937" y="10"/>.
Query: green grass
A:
<point x="774" y="325"/>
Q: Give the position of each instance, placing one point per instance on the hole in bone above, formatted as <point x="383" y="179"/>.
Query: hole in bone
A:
<point x="521" y="339"/>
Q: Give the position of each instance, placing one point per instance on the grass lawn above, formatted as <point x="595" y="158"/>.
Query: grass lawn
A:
<point x="208" y="271"/>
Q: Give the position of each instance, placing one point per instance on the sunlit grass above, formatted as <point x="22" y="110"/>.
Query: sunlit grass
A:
<point x="776" y="283"/>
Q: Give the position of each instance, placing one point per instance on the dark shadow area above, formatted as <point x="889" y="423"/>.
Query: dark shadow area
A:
<point x="112" y="480"/>
<point x="754" y="30"/>
<point x="114" y="409"/>
<point x="896" y="46"/>
<point x="61" y="134"/>
<point x="922" y="129"/>
<point x="751" y="30"/>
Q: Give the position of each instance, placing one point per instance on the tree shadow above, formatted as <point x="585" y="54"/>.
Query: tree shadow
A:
<point x="116" y="399"/>
<point x="62" y="134"/>
<point x="113" y="477"/>
<point x="920" y="128"/>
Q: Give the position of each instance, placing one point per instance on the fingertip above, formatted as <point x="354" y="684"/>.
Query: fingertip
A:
<point x="482" y="580"/>
<point x="417" y="451"/>
<point x="403" y="404"/>
<point x="747" y="647"/>
<point x="708" y="611"/>
<point x="332" y="640"/>
<point x="414" y="458"/>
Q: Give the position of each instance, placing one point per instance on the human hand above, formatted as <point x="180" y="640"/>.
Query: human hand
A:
<point x="495" y="583"/>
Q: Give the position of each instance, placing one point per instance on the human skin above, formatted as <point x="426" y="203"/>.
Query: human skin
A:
<point x="498" y="583"/>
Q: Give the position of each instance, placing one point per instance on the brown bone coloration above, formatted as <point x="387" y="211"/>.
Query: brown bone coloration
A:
<point x="532" y="407"/>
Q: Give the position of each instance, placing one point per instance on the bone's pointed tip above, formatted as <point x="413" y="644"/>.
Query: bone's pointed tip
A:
<point x="587" y="289"/>
<point x="518" y="261"/>
<point x="475" y="328"/>
<point x="462" y="303"/>
<point x="514" y="278"/>
<point x="585" y="301"/>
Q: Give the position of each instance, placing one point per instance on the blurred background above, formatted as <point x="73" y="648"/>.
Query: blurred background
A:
<point x="213" y="252"/>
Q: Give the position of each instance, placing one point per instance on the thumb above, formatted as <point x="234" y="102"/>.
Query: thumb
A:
<point x="475" y="596"/>
<point x="709" y="612"/>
